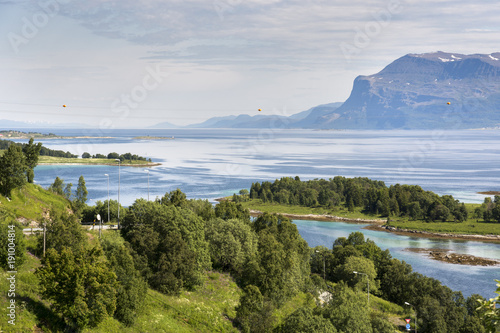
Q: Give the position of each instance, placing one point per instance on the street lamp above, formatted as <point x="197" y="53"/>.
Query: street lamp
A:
<point x="148" y="182"/>
<point x="367" y="283"/>
<point x="324" y="270"/>
<point x="108" y="194"/>
<point x="119" y="164"/>
<point x="415" y="315"/>
<point x="100" y="225"/>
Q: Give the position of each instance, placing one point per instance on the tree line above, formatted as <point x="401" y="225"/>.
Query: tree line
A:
<point x="17" y="166"/>
<point x="373" y="196"/>
<point x="43" y="151"/>
<point x="116" y="156"/>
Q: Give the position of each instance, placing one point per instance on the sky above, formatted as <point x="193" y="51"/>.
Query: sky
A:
<point x="136" y="63"/>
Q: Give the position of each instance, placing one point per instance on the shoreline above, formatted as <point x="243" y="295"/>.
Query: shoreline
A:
<point x="109" y="164"/>
<point x="449" y="256"/>
<point x="428" y="234"/>
<point x="27" y="137"/>
<point x="325" y="218"/>
<point x="378" y="225"/>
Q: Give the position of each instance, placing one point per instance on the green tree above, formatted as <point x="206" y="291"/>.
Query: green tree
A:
<point x="12" y="169"/>
<point x="86" y="155"/>
<point x="31" y="152"/>
<point x="282" y="267"/>
<point x="174" y="268"/>
<point x="440" y="212"/>
<point x="168" y="243"/>
<point x="489" y="312"/>
<point x="254" y="313"/>
<point x="232" y="244"/>
<point x="347" y="310"/>
<point x="113" y="156"/>
<point x="67" y="191"/>
<point x="81" y="194"/>
<point x="131" y="287"/>
<point x="11" y="232"/>
<point x="79" y="286"/>
<point x="304" y="320"/>
<point x="57" y="186"/>
<point x="359" y="281"/>
<point x="228" y="210"/>
<point x="175" y="198"/>
<point x="62" y="230"/>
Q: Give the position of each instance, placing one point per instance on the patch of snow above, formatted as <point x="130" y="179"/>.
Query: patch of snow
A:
<point x="407" y="83"/>
<point x="492" y="57"/>
<point x="444" y="60"/>
<point x="455" y="57"/>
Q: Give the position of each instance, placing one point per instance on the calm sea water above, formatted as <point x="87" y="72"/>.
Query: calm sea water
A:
<point x="208" y="163"/>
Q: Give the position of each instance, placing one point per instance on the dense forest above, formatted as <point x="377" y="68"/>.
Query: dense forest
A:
<point x="373" y="196"/>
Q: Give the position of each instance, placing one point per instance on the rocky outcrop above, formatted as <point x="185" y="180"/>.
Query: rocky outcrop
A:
<point x="423" y="91"/>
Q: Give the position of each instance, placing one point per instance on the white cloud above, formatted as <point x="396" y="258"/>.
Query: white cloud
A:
<point x="227" y="53"/>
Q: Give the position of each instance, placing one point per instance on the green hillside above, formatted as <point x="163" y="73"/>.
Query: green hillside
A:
<point x="208" y="309"/>
<point x="31" y="201"/>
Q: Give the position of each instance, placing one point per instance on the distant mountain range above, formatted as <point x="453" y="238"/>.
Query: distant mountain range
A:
<point x="416" y="91"/>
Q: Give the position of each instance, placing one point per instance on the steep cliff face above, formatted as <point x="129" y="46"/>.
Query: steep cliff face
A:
<point x="413" y="92"/>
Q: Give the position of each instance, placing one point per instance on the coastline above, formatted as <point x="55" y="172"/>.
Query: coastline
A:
<point x="109" y="164"/>
<point x="378" y="225"/>
<point x="428" y="234"/>
<point x="23" y="137"/>
<point x="325" y="218"/>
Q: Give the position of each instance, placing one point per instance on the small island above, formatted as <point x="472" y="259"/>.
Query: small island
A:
<point x="455" y="258"/>
<point x="489" y="192"/>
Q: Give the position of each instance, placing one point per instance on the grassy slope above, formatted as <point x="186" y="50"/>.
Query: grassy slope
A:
<point x="31" y="200"/>
<point x="471" y="226"/>
<point x="204" y="310"/>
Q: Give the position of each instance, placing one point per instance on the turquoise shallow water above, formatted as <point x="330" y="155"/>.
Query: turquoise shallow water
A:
<point x="207" y="163"/>
<point x="468" y="279"/>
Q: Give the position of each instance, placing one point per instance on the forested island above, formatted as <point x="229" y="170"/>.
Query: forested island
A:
<point x="179" y="264"/>
<point x="400" y="207"/>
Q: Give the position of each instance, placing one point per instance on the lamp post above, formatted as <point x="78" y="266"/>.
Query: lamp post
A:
<point x="100" y="225"/>
<point x="367" y="284"/>
<point x="324" y="270"/>
<point x="108" y="194"/>
<point x="415" y="315"/>
<point x="119" y="164"/>
<point x="148" y="182"/>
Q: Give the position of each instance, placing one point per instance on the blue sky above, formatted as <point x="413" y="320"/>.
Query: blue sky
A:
<point x="135" y="63"/>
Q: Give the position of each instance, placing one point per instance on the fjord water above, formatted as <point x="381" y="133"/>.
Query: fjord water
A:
<point x="209" y="163"/>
